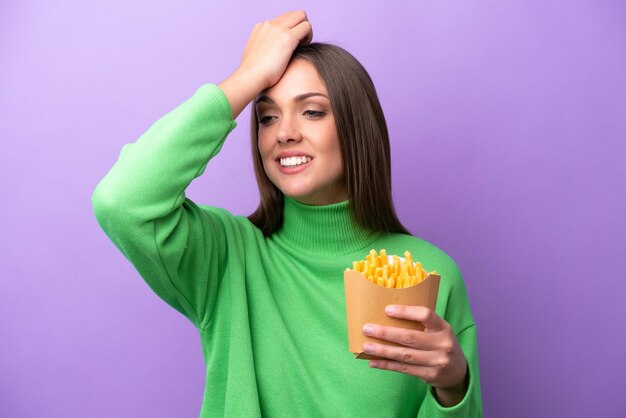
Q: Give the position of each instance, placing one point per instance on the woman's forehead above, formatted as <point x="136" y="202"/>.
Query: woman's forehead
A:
<point x="300" y="78"/>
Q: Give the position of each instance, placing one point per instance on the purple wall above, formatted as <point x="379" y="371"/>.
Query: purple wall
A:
<point x="515" y="113"/>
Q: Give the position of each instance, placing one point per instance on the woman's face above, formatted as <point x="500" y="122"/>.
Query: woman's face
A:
<point x="301" y="127"/>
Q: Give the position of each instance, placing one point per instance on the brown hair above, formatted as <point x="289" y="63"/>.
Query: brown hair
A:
<point x="363" y="138"/>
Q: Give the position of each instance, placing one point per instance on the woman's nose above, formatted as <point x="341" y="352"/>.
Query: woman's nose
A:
<point x="288" y="130"/>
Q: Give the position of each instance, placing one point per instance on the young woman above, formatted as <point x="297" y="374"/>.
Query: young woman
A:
<point x="266" y="291"/>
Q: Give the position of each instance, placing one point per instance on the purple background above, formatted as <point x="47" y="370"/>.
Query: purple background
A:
<point x="514" y="113"/>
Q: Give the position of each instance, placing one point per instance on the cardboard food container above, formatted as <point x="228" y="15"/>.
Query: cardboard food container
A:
<point x="366" y="302"/>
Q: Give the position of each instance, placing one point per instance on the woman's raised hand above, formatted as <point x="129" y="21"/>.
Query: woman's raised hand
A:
<point x="271" y="44"/>
<point x="265" y="57"/>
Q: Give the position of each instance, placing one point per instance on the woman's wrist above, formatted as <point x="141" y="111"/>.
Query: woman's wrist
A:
<point x="240" y="88"/>
<point x="451" y="396"/>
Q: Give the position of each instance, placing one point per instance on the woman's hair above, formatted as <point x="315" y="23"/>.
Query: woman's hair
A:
<point x="363" y="139"/>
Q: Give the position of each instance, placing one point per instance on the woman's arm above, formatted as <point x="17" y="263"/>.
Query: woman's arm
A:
<point x="141" y="204"/>
<point x="176" y="246"/>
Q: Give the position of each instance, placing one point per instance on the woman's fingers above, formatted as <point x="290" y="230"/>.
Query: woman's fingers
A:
<point x="304" y="32"/>
<point x="406" y="337"/>
<point x="296" y="20"/>
<point x="403" y="354"/>
<point x="289" y="19"/>
<point x="428" y="317"/>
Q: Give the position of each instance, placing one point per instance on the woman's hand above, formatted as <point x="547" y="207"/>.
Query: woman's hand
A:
<point x="265" y="57"/>
<point x="272" y="43"/>
<point x="433" y="355"/>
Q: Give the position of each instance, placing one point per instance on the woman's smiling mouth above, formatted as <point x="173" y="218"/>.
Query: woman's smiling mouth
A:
<point x="294" y="161"/>
<point x="294" y="165"/>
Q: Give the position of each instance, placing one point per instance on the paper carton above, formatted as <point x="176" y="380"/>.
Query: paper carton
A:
<point x="366" y="302"/>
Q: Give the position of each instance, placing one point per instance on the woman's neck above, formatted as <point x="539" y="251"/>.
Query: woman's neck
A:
<point x="322" y="229"/>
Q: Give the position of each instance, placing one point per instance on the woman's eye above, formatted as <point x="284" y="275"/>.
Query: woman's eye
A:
<point x="264" y="119"/>
<point x="314" y="113"/>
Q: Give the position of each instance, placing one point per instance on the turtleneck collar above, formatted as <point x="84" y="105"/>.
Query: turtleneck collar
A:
<point x="327" y="229"/>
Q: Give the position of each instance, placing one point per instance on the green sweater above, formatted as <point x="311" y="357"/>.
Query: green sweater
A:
<point x="270" y="310"/>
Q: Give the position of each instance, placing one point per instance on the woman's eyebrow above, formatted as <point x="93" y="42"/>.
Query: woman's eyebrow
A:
<point x="296" y="99"/>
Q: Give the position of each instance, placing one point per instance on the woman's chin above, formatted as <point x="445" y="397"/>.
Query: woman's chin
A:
<point x="297" y="195"/>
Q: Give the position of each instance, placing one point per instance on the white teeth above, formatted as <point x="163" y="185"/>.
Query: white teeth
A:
<point x="294" y="161"/>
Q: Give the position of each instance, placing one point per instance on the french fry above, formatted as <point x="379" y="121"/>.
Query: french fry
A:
<point x="406" y="279"/>
<point x="399" y="282"/>
<point x="373" y="258"/>
<point x="408" y="260"/>
<point x="383" y="257"/>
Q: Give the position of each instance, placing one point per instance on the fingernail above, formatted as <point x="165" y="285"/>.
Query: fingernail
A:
<point x="373" y="363"/>
<point x="390" y="309"/>
<point x="368" y="329"/>
<point x="368" y="348"/>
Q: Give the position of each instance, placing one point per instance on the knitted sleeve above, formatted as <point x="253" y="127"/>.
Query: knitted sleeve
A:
<point x="471" y="406"/>
<point x="141" y="205"/>
<point x="453" y="306"/>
